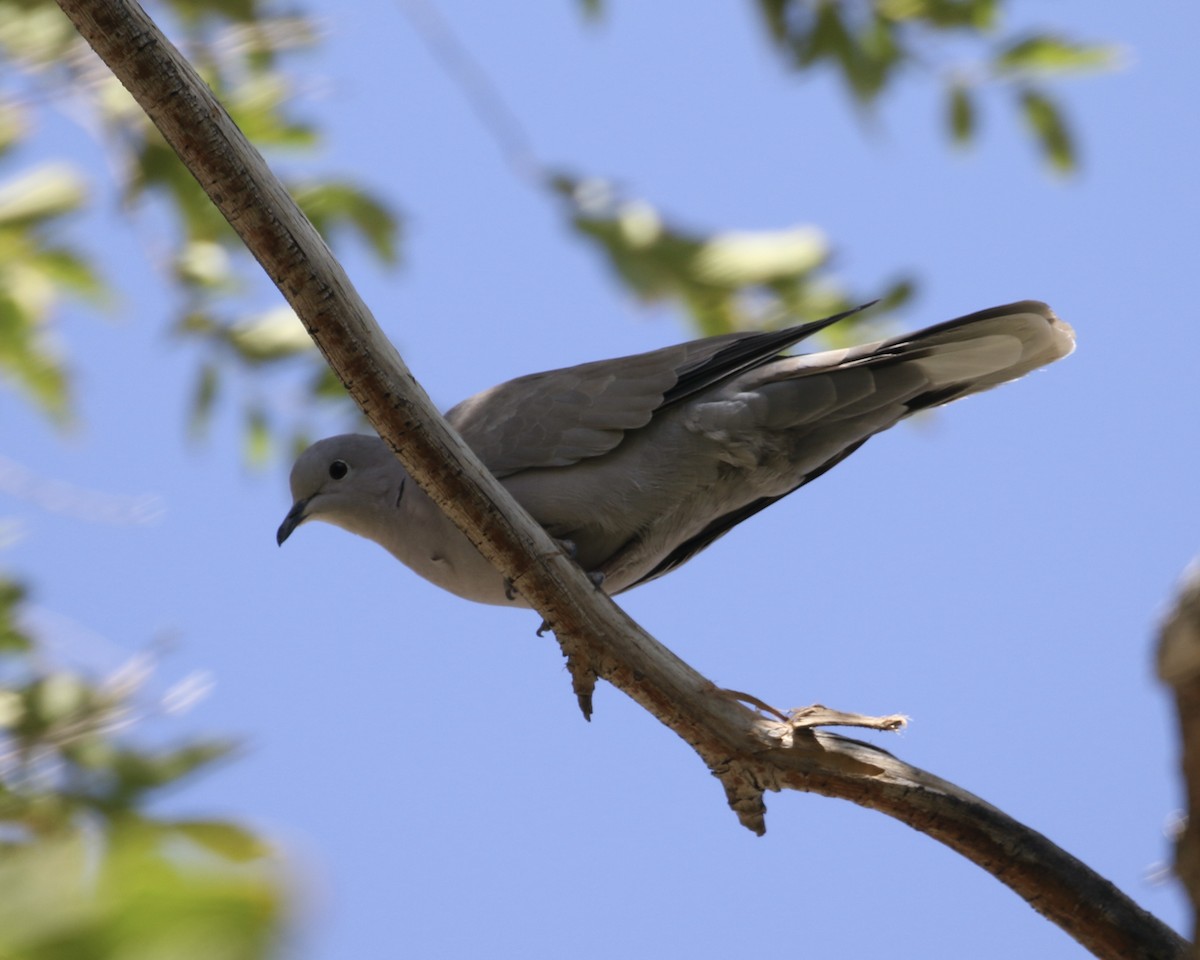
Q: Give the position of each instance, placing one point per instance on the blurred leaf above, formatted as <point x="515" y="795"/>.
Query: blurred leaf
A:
<point x="40" y="194"/>
<point x="227" y="840"/>
<point x="57" y="697"/>
<point x="255" y="104"/>
<point x="1048" y="125"/>
<point x="134" y="773"/>
<point x="593" y="9"/>
<point x="742" y="258"/>
<point x="158" y="169"/>
<point x="35" y="33"/>
<point x="974" y="15"/>
<point x="729" y="280"/>
<point x="326" y="384"/>
<point x="12" y="638"/>
<point x="71" y="273"/>
<point x="129" y="894"/>
<point x="273" y="335"/>
<point x="332" y="205"/>
<point x="203" y="263"/>
<point x="256" y="442"/>
<point x="203" y="398"/>
<point x="1045" y="53"/>
<point x="13" y="126"/>
<point x="869" y="44"/>
<point x="960" y="114"/>
<point x="233" y="9"/>
<point x="27" y="359"/>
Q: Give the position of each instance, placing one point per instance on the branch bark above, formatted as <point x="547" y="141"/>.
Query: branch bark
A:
<point x="1179" y="668"/>
<point x="749" y="754"/>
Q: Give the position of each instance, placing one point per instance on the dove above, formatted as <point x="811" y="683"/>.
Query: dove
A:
<point x="636" y="464"/>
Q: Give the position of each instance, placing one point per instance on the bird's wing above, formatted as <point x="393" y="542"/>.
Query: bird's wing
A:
<point x="560" y="417"/>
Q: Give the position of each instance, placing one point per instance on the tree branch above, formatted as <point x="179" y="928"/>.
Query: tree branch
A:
<point x="1179" y="668"/>
<point x="749" y="754"/>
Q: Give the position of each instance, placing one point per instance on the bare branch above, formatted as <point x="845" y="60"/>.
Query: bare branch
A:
<point x="748" y="753"/>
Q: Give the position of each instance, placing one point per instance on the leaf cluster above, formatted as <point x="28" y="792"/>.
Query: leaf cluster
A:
<point x="85" y="871"/>
<point x="244" y="51"/>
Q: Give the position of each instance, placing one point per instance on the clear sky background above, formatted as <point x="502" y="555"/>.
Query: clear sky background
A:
<point x="996" y="572"/>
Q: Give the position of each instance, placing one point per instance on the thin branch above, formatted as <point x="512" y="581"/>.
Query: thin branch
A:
<point x="482" y="97"/>
<point x="748" y="753"/>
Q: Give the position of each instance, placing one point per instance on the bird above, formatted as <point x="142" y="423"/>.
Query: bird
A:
<point x="636" y="464"/>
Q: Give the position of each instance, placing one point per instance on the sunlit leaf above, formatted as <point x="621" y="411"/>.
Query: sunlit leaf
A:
<point x="742" y="258"/>
<point x="204" y="263"/>
<point x="35" y="33"/>
<point x="56" y="697"/>
<point x="1044" y="53"/>
<point x="268" y="336"/>
<point x="40" y="194"/>
<point x="130" y="894"/>
<point x="729" y="280"/>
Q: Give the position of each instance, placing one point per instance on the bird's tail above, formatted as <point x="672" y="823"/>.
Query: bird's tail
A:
<point x="978" y="351"/>
<point x="929" y="367"/>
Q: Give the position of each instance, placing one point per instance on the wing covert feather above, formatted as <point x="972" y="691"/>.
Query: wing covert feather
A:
<point x="560" y="417"/>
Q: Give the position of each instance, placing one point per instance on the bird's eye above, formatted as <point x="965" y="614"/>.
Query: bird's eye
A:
<point x="338" y="469"/>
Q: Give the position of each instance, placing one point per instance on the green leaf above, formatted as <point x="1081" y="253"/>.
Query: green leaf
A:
<point x="70" y="273"/>
<point x="1049" y="127"/>
<point x="26" y="356"/>
<point x="1045" y="53"/>
<point x="137" y="771"/>
<point x="960" y="113"/>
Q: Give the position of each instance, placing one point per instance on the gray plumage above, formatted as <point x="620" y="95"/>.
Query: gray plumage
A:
<point x="641" y="462"/>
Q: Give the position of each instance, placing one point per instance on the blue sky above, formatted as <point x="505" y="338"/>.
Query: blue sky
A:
<point x="996" y="572"/>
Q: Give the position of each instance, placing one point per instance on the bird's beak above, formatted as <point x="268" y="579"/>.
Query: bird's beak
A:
<point x="295" y="517"/>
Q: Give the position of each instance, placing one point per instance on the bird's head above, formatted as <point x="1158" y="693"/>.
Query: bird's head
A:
<point x="345" y="480"/>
